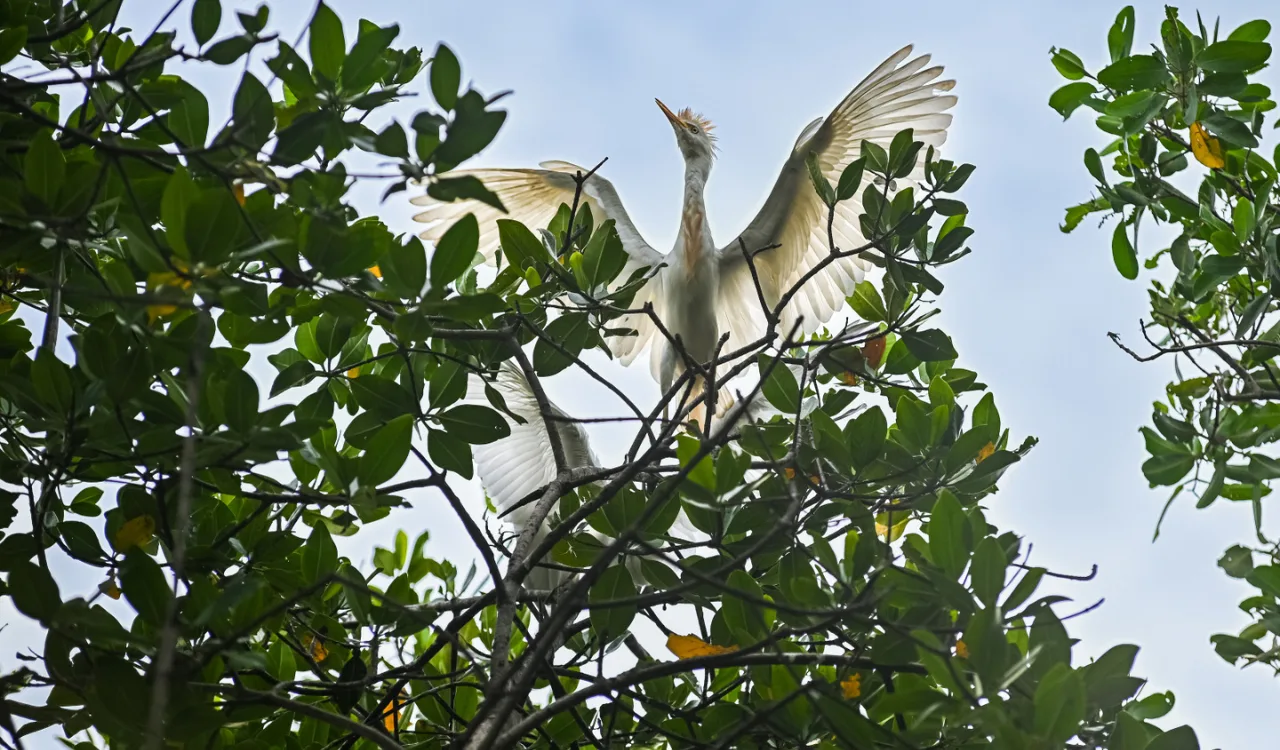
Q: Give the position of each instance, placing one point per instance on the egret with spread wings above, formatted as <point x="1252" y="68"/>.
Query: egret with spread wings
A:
<point x="704" y="290"/>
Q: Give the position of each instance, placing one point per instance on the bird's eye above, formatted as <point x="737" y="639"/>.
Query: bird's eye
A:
<point x="693" y="129"/>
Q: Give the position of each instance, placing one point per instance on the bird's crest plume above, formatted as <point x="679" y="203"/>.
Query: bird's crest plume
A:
<point x="688" y="115"/>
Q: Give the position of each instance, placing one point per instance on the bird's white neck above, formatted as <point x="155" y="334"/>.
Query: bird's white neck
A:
<point x="695" y="234"/>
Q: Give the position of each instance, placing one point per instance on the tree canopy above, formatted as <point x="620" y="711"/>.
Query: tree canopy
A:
<point x="169" y="517"/>
<point x="1185" y="124"/>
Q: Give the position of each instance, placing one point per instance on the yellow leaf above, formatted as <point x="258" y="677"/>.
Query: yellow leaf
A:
<point x="5" y="306"/>
<point x="962" y="650"/>
<point x="789" y="472"/>
<point x="135" y="532"/>
<point x="848" y="378"/>
<point x="814" y="479"/>
<point x="851" y="687"/>
<point x="1207" y="149"/>
<point x="691" y="647"/>
<point x="109" y="588"/>
<point x="316" y="646"/>
<point x="375" y="271"/>
<point x="899" y="525"/>
<point x="354" y="372"/>
<point x="238" y="191"/>
<point x="986" y="452"/>
<point x="159" y="311"/>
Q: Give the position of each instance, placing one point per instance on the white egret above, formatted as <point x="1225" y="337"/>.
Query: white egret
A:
<point x="705" y="290"/>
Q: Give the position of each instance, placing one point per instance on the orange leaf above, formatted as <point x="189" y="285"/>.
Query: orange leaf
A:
<point x="848" y="378"/>
<point x="851" y="687"/>
<point x="986" y="452"/>
<point x="109" y="588"/>
<point x="789" y="472"/>
<point x="1207" y="149"/>
<point x="691" y="647"/>
<point x="316" y="646"/>
<point x="962" y="649"/>
<point x="375" y="271"/>
<point x="238" y="191"/>
<point x="135" y="532"/>
<point x="873" y="351"/>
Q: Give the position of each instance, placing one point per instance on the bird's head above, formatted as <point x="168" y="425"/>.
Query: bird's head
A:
<point x="693" y="135"/>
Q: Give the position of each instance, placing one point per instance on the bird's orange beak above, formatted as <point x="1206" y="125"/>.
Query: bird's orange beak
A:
<point x="671" y="116"/>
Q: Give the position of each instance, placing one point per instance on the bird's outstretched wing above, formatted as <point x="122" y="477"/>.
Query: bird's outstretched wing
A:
<point x="532" y="197"/>
<point x="894" y="97"/>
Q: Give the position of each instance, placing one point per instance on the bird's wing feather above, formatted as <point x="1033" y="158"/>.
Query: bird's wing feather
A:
<point x="894" y="97"/>
<point x="532" y="197"/>
<point x="520" y="463"/>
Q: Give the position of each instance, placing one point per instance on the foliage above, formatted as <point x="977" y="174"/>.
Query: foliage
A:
<point x="1193" y="102"/>
<point x="850" y="592"/>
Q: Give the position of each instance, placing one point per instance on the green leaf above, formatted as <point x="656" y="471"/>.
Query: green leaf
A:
<point x="304" y="136"/>
<point x="988" y="572"/>
<point x="206" y="15"/>
<point x="446" y="77"/>
<point x="386" y="451"/>
<point x="1059" y="704"/>
<point x="44" y="168"/>
<point x="850" y="180"/>
<point x="866" y="302"/>
<point x="189" y="118"/>
<point x="253" y="117"/>
<point x="34" y="592"/>
<point x="211" y="226"/>
<point x="572" y="331"/>
<point x="297" y="373"/>
<point x="450" y="453"/>
<point x="12" y="40"/>
<point x="455" y="251"/>
<point x="604" y="256"/>
<point x="404" y="268"/>
<point x="1233" y="56"/>
<point x="467" y="187"/>
<point x="865" y="436"/>
<point x="1251" y="31"/>
<point x="1230" y="129"/>
<point x="327" y="42"/>
<point x="1180" y="738"/>
<point x="746" y="619"/>
<point x="361" y="69"/>
<point x="319" y="555"/>
<point x="1025" y="588"/>
<point x="521" y="248"/>
<point x="478" y="425"/>
<point x="1067" y="63"/>
<point x="614" y="585"/>
<point x="240" y="401"/>
<point x="946" y="535"/>
<point x="929" y="346"/>
<point x="1167" y="470"/>
<point x="144" y="584"/>
<point x="1123" y="254"/>
<point x="1120" y="37"/>
<point x="1135" y="72"/>
<point x="351" y="677"/>
<point x="383" y="397"/>
<point x="280" y="661"/>
<point x="781" y="388"/>
<point x="392" y="141"/>
<point x="1069" y="97"/>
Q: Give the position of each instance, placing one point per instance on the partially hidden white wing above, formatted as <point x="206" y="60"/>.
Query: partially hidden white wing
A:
<point x="897" y="95"/>
<point x="522" y="462"/>
<point x="532" y="197"/>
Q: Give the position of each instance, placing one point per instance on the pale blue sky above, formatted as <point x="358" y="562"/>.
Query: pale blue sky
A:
<point x="1029" y="309"/>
